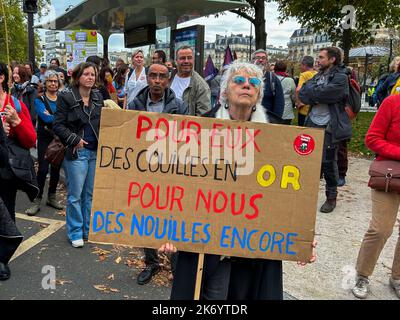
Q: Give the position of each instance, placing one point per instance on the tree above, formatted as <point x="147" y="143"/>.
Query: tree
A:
<point x="17" y="31"/>
<point x="336" y="18"/>
<point x="255" y="13"/>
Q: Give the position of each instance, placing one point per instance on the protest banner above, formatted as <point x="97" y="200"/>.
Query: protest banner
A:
<point x="207" y="185"/>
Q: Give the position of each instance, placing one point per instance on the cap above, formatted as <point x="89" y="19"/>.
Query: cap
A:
<point x="43" y="65"/>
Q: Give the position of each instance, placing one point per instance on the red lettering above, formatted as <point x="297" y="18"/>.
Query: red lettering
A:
<point x="181" y="136"/>
<point x="207" y="202"/>
<point x="195" y="133"/>
<point x="252" y="139"/>
<point x="158" y="124"/>
<point x="151" y="188"/>
<point x="230" y="136"/>
<point x="254" y="206"/>
<point x="242" y="203"/>
<point x="178" y="199"/>
<point x="214" y="133"/>
<point x="141" y="128"/>
<point x="225" y="203"/>
<point x="130" y="196"/>
<point x="158" y="198"/>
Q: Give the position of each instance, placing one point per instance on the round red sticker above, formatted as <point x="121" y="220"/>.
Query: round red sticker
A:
<point x="304" y="144"/>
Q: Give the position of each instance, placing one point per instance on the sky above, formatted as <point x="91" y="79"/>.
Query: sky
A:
<point x="277" y="34"/>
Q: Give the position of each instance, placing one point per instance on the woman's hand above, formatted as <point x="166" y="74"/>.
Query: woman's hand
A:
<point x="167" y="248"/>
<point x="80" y="145"/>
<point x="6" y="127"/>
<point x="12" y="116"/>
<point x="313" y="256"/>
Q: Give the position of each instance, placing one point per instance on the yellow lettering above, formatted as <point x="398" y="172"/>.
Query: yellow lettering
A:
<point x="260" y="176"/>
<point x="290" y="175"/>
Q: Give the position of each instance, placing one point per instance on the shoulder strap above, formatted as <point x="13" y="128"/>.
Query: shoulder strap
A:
<point x="130" y="73"/>
<point x="272" y="82"/>
<point x="17" y="104"/>
<point x="46" y="104"/>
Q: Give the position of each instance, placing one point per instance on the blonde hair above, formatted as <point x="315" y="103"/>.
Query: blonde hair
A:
<point x="392" y="66"/>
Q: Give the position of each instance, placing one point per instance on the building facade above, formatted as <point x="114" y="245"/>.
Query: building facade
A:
<point x="304" y="42"/>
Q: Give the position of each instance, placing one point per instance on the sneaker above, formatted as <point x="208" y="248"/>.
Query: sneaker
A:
<point x="395" y="284"/>
<point x="77" y="243"/>
<point x="328" y="206"/>
<point x="52" y="202"/>
<point x="341" y="181"/>
<point x="361" y="288"/>
<point x="35" y="207"/>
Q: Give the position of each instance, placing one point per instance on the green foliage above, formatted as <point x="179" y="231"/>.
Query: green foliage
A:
<point x="17" y="31"/>
<point x="361" y="125"/>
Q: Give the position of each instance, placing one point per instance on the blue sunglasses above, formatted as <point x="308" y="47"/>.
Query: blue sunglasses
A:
<point x="240" y="80"/>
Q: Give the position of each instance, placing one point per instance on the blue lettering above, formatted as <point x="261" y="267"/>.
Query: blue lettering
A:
<point x="164" y="231"/>
<point x="194" y="232"/>
<point x="224" y="236"/>
<point x="289" y="243"/>
<point x="175" y="224"/>
<point x="95" y="226"/>
<point x="249" y="240"/>
<point x="235" y="234"/>
<point x="108" y="222"/>
<point x="147" y="231"/>
<point x="170" y="228"/>
<point x="184" y="232"/>
<point x="262" y="239"/>
<point x="137" y="225"/>
<point x="278" y="242"/>
<point x="121" y="228"/>
<point x="207" y="232"/>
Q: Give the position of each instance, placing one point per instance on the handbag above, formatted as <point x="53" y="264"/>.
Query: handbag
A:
<point x="385" y="176"/>
<point x="55" y="152"/>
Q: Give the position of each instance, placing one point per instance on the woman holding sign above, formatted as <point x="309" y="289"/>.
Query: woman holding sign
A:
<point x="224" y="277"/>
<point x="77" y="123"/>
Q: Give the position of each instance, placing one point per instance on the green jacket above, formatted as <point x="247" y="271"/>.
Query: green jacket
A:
<point x="197" y="95"/>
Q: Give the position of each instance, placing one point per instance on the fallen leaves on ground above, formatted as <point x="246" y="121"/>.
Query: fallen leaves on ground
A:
<point x="61" y="282"/>
<point x="103" y="288"/>
<point x="103" y="254"/>
<point x="111" y="277"/>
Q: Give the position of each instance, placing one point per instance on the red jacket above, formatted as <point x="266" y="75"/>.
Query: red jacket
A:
<point x="383" y="136"/>
<point x="25" y="132"/>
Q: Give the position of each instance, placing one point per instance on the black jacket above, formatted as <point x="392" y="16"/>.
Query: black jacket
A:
<point x="335" y="94"/>
<point x="172" y="104"/>
<point x="70" y="118"/>
<point x="273" y="100"/>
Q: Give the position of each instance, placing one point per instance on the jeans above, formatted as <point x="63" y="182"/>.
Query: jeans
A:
<point x="385" y="207"/>
<point x="80" y="181"/>
<point x="343" y="162"/>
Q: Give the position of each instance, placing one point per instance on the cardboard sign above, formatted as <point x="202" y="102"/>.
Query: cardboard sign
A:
<point x="207" y="185"/>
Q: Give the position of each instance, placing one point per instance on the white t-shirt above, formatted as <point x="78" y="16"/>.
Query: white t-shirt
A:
<point x="179" y="85"/>
<point x="133" y="86"/>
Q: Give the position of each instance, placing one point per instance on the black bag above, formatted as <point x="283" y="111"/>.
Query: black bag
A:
<point x="21" y="168"/>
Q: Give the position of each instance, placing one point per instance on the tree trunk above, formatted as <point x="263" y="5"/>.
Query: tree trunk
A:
<point x="259" y="28"/>
<point x="346" y="43"/>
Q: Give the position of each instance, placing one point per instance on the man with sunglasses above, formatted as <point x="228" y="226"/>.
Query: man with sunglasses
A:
<point x="273" y="100"/>
<point x="156" y="97"/>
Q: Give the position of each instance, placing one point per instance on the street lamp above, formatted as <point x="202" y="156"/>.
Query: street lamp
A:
<point x="390" y="50"/>
<point x="30" y="7"/>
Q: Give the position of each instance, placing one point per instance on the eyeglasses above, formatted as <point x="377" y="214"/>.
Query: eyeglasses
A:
<point x="240" y="80"/>
<point x="161" y="76"/>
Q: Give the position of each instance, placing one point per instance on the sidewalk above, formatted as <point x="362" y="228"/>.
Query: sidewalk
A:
<point x="339" y="235"/>
<point x="100" y="272"/>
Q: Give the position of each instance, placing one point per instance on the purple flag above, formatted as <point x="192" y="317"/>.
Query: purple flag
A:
<point x="209" y="71"/>
<point x="228" y="59"/>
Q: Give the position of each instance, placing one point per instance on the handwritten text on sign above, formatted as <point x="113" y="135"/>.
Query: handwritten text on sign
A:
<point x="207" y="185"/>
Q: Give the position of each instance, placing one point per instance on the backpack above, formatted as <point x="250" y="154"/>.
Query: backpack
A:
<point x="353" y="103"/>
